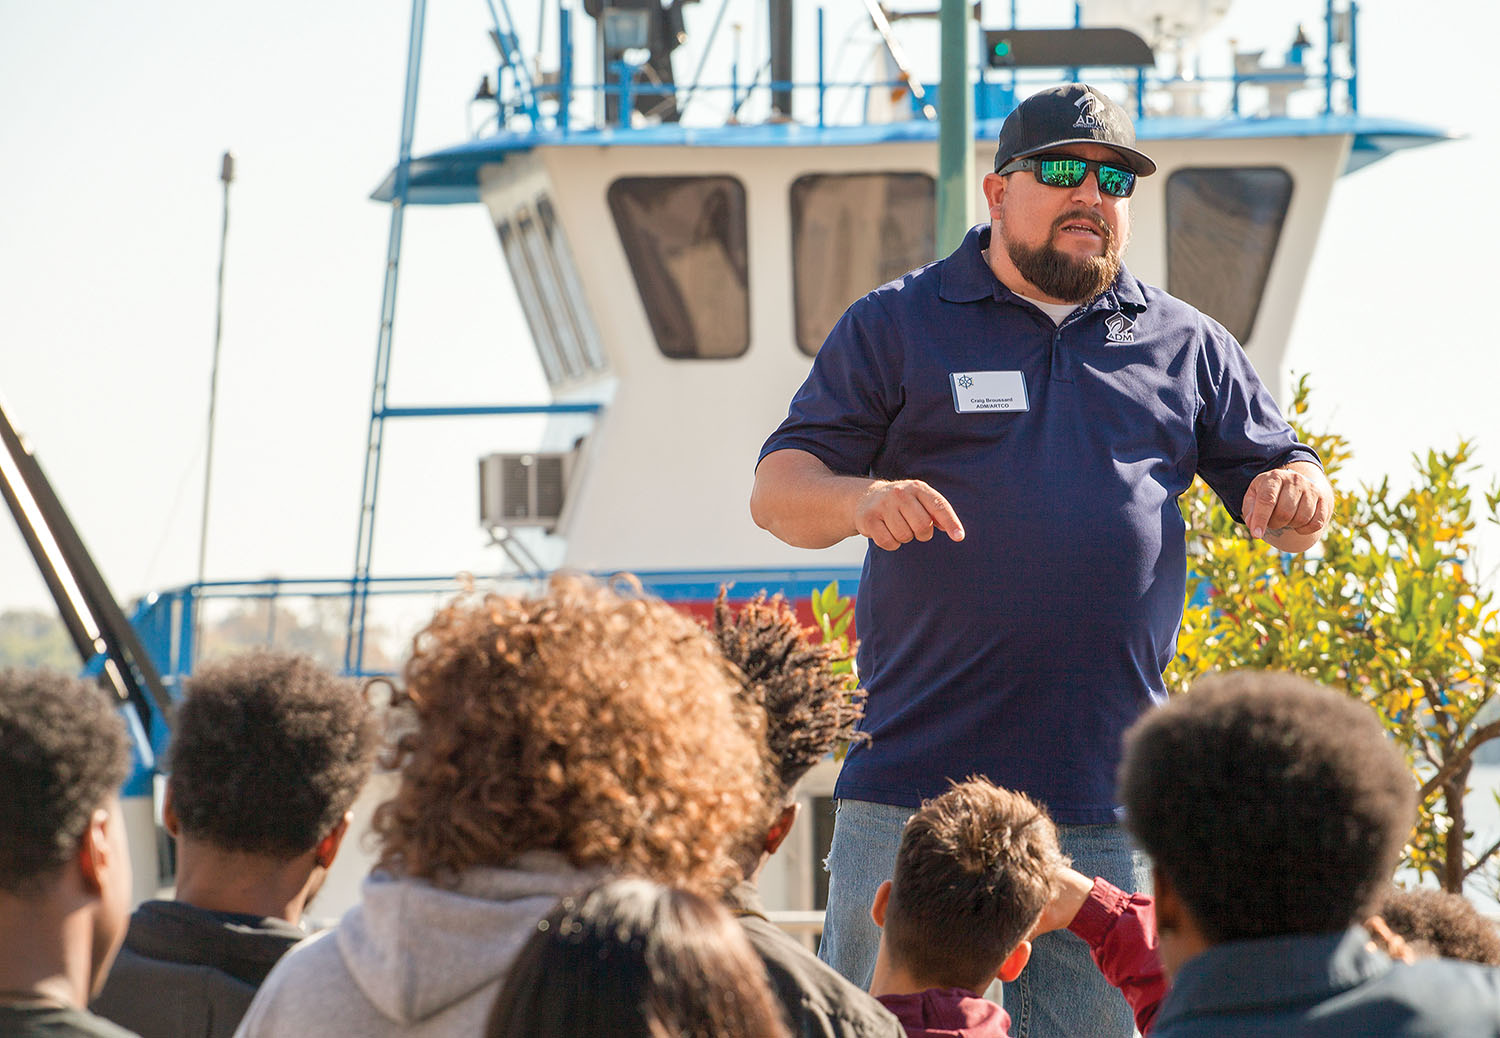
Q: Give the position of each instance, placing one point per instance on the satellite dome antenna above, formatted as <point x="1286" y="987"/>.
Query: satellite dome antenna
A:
<point x="1173" y="25"/>
<point x="1158" y="20"/>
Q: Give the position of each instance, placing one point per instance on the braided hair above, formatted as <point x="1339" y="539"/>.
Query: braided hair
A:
<point x="811" y="706"/>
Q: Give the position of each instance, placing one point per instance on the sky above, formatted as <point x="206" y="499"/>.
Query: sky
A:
<point x="115" y="119"/>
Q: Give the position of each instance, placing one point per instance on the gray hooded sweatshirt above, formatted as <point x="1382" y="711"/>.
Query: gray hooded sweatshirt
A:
<point x="413" y="959"/>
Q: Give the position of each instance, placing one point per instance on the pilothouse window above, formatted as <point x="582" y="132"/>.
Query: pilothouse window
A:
<point x="852" y="233"/>
<point x="544" y="274"/>
<point x="550" y="293"/>
<point x="567" y="277"/>
<point x="685" y="238"/>
<point x="1223" y="226"/>
<point x="542" y="332"/>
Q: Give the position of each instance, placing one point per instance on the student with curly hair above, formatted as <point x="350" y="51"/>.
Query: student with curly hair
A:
<point x="807" y="710"/>
<point x="1274" y="812"/>
<point x="554" y="740"/>
<point x="1435" y="922"/>
<point x="268" y="752"/>
<point x="632" y="959"/>
<point x="64" y="860"/>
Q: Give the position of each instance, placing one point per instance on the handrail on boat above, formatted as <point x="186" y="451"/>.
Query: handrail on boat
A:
<point x="527" y="103"/>
<point x="165" y="620"/>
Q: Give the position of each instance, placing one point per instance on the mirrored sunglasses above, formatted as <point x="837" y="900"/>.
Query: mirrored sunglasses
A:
<point x="1067" y="171"/>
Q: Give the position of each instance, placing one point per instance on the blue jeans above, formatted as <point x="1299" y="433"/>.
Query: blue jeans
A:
<point x="1060" y="993"/>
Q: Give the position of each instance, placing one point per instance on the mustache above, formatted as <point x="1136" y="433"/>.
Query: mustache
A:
<point x="1089" y="217"/>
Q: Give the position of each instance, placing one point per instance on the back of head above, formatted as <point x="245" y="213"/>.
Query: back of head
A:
<point x="268" y="752"/>
<point x="1435" y="922"/>
<point x="975" y="866"/>
<point x="809" y="707"/>
<point x="63" y="755"/>
<point x="1273" y="805"/>
<point x="636" y="960"/>
<point x="592" y="722"/>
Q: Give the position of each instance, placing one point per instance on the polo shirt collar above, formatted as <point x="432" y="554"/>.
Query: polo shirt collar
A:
<point x="1125" y="293"/>
<point x="1265" y="974"/>
<point x="966" y="278"/>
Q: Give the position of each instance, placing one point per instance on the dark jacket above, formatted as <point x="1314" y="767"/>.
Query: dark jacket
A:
<point x="948" y="1013"/>
<point x="186" y="971"/>
<point x="1327" y="986"/>
<point x="820" y="1002"/>
<point x="52" y="1022"/>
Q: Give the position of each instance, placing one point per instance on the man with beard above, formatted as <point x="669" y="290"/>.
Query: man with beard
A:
<point x="1044" y="409"/>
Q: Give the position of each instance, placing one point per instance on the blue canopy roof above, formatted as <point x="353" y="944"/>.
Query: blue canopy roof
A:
<point x="451" y="175"/>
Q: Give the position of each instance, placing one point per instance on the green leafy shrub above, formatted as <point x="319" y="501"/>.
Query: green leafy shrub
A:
<point x="1389" y="608"/>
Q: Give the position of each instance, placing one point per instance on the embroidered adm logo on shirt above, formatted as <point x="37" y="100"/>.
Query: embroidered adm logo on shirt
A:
<point x="1119" y="328"/>
<point x="1091" y="113"/>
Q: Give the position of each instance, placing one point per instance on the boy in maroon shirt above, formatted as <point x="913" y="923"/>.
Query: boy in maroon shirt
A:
<point x="978" y="875"/>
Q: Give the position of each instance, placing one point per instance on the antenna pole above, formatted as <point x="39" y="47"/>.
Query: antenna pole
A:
<point x="364" y="547"/>
<point x="955" y="130"/>
<point x="226" y="175"/>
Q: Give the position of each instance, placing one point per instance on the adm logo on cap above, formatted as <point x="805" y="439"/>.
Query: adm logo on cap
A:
<point x="1092" y="115"/>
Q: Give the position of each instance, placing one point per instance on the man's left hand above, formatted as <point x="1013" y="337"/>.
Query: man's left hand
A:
<point x="1289" y="508"/>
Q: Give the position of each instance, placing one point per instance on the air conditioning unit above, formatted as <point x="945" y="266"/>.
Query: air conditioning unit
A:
<point x="524" y="489"/>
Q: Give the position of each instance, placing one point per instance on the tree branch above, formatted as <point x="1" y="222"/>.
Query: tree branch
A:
<point x="1460" y="758"/>
<point x="1479" y="861"/>
<point x="1443" y="722"/>
<point x="1425" y="746"/>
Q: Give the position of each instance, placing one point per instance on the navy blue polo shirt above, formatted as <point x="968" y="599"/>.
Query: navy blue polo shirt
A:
<point x="1023" y="651"/>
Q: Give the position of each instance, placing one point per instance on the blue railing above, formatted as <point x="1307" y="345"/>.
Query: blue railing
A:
<point x="168" y="621"/>
<point x="524" y="105"/>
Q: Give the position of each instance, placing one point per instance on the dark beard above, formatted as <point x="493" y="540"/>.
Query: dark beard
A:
<point x="1061" y="276"/>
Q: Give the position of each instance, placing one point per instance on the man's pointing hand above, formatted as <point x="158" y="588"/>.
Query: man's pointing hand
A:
<point x="891" y="514"/>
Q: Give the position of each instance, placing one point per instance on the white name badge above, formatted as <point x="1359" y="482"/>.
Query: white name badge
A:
<point x="988" y="391"/>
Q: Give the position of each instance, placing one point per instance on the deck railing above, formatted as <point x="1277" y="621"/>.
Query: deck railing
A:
<point x="180" y="625"/>
<point x="1311" y="78"/>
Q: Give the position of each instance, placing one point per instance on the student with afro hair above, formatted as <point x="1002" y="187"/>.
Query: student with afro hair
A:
<point x="1274" y="812"/>
<point x="268" y="752"/>
<point x="64" y="858"/>
<point x="1435" y="922"/>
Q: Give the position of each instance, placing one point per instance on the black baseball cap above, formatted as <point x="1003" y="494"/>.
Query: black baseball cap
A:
<point x="1072" y="114"/>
